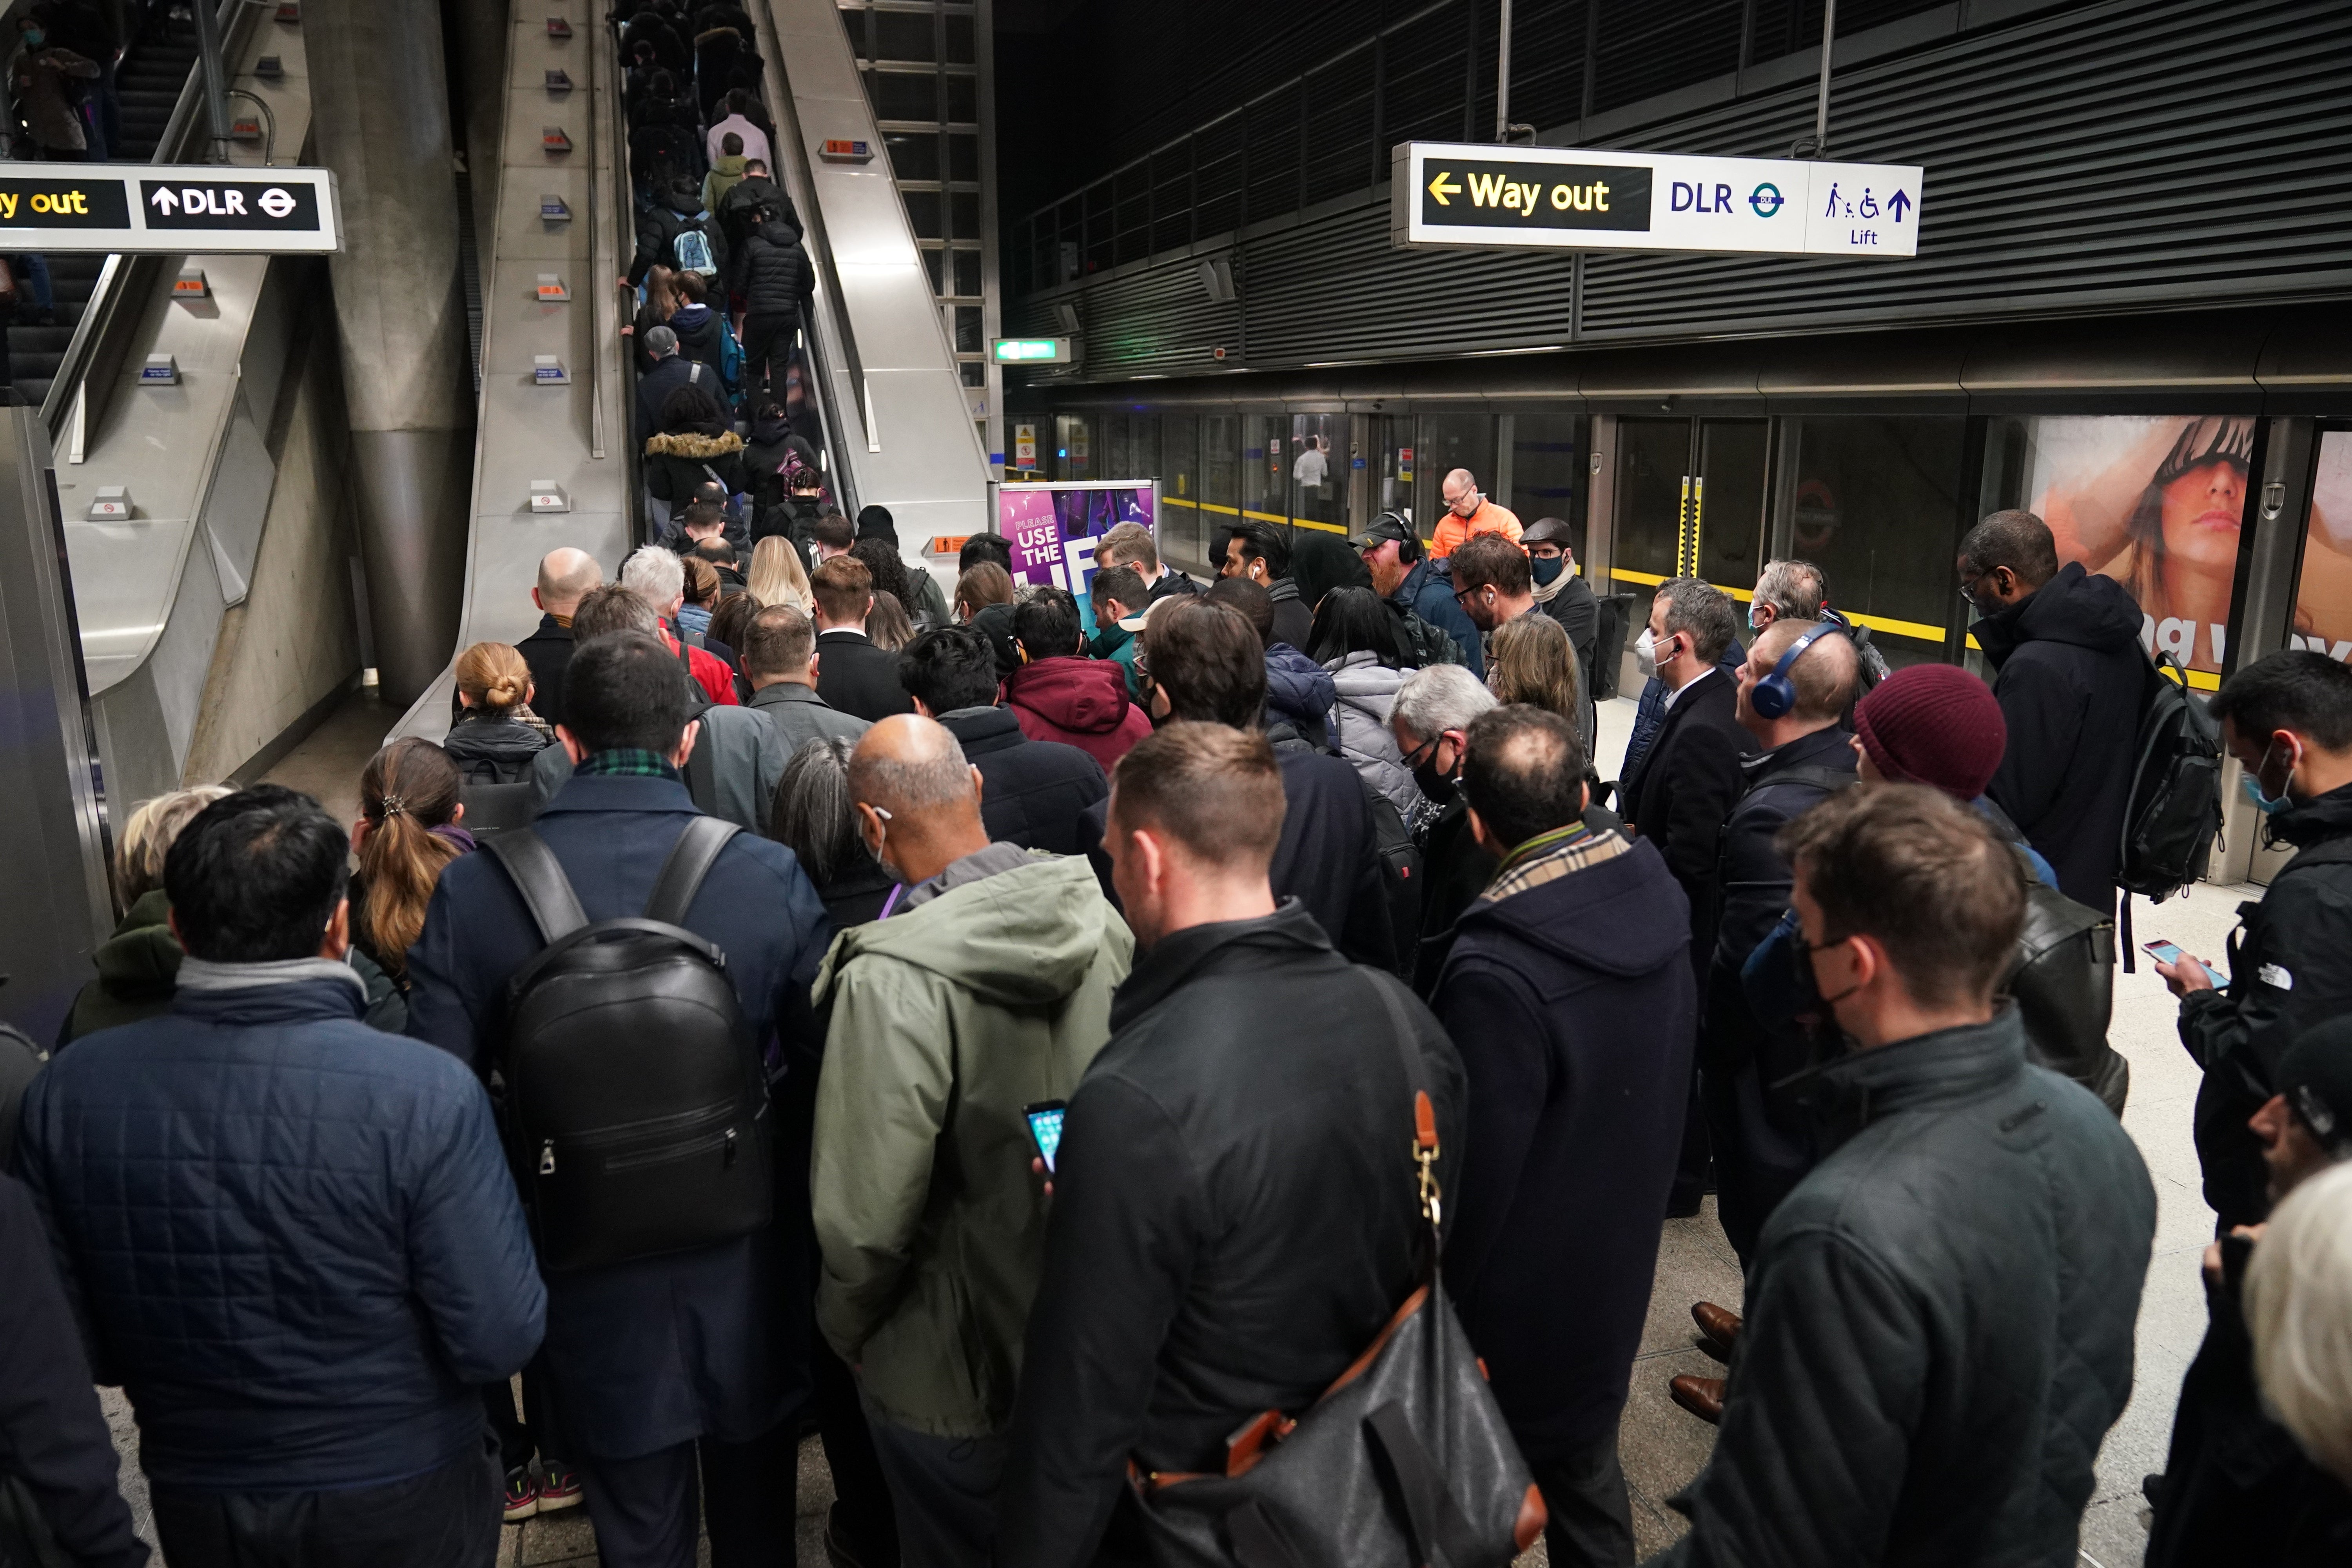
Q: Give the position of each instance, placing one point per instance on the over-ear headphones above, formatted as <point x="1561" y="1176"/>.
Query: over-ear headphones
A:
<point x="1776" y="694"/>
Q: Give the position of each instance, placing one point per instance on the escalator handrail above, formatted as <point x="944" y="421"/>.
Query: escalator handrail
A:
<point x="108" y="294"/>
<point x="830" y="324"/>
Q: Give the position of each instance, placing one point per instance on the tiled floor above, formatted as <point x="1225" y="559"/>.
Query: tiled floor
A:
<point x="1662" y="1446"/>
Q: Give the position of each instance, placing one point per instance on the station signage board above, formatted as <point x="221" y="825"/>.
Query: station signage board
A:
<point x="1483" y="196"/>
<point x="134" y="207"/>
<point x="1030" y="351"/>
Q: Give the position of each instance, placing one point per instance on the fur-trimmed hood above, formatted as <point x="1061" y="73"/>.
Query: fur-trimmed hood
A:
<point x="694" y="445"/>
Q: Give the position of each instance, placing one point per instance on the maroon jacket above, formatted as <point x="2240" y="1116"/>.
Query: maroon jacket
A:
<point x="1080" y="702"/>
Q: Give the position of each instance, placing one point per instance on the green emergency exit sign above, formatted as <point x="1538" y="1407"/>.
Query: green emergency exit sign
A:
<point x="1030" y="351"/>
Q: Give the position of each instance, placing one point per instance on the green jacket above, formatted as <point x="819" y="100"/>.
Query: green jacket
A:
<point x="946" y="1022"/>
<point x="138" y="970"/>
<point x="1118" y="645"/>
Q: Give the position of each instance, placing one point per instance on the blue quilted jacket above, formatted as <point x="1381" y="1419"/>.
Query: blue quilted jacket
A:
<point x="291" y="1238"/>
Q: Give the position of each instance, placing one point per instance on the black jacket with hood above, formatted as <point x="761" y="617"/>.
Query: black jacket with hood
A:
<point x="1939" y="1319"/>
<point x="2290" y="966"/>
<point x="673" y="211"/>
<point x="2071" y="678"/>
<point x="1232" y="1224"/>
<point x="776" y="273"/>
<point x="677" y="464"/>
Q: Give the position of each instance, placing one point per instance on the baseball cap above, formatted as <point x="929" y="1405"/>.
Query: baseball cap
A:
<point x="1387" y="528"/>
<point x="660" y="341"/>
<point x="2315" y="1076"/>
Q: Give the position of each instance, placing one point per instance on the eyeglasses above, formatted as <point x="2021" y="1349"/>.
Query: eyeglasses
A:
<point x="1463" y="597"/>
<point x="1968" y="590"/>
<point x="1412" y="759"/>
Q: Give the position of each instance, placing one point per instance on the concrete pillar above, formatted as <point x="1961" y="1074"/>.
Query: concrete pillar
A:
<point x="381" y="115"/>
<point x="477" y="33"/>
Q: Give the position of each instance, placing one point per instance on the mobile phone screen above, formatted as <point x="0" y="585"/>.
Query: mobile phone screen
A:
<point x="1046" y="1128"/>
<point x="2169" y="953"/>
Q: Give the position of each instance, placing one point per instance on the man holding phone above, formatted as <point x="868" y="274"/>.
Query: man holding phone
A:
<point x="2287" y="717"/>
<point x="1234" y="1215"/>
<point x="985" y="992"/>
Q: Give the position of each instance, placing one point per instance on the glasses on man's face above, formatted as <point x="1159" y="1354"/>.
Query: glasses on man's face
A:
<point x="1412" y="759"/>
<point x="1969" y="587"/>
<point x="1463" y="597"/>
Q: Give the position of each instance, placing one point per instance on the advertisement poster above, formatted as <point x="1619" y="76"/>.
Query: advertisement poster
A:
<point x="2322" y="601"/>
<point x="1053" y="528"/>
<point x="2157" y="503"/>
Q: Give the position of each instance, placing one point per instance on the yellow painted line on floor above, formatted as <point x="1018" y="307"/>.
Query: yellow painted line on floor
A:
<point x="1177" y="501"/>
<point x="1265" y="516"/>
<point x="1228" y="510"/>
<point x="1919" y="629"/>
<point x="1318" y="527"/>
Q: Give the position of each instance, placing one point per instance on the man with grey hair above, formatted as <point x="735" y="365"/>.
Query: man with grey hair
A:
<point x="1682" y="793"/>
<point x="1800" y="591"/>
<point x="667" y="370"/>
<point x="655" y="575"/>
<point x="984" y="988"/>
<point x="1431" y="719"/>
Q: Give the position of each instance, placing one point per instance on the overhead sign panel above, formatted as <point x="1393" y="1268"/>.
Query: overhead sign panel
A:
<point x="1483" y="195"/>
<point x="136" y="208"/>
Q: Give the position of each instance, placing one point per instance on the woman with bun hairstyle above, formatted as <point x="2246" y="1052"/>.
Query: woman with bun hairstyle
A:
<point x="497" y="735"/>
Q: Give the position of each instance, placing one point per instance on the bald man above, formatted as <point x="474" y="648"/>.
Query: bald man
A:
<point x="1761" y="1146"/>
<point x="984" y="989"/>
<point x="1468" y="513"/>
<point x="565" y="578"/>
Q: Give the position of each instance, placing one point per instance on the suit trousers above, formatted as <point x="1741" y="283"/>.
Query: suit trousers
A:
<point x="448" y="1516"/>
<point x="645" y="1508"/>
<point x="1755" y="1163"/>
<point x="1591" y="1523"/>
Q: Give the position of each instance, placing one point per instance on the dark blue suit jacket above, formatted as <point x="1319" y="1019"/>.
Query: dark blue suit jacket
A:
<point x="712" y="1342"/>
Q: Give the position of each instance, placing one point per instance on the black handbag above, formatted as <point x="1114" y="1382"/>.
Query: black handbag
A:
<point x="1405" y="1459"/>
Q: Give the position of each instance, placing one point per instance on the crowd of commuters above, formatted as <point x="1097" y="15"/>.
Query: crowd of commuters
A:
<point x="1209" y="887"/>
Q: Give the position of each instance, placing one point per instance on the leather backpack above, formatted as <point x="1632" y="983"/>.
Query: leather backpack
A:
<point x="1404" y="1459"/>
<point x="636" y="1105"/>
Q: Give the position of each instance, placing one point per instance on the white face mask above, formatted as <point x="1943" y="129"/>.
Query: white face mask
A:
<point x="1645" y="656"/>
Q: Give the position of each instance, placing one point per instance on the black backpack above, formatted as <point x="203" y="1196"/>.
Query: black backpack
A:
<point x="1419" y="643"/>
<point x="637" y="1104"/>
<point x="1399" y="860"/>
<point x="2176" y="797"/>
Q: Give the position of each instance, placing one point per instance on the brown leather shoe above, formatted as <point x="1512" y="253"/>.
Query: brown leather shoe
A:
<point x="1716" y="1329"/>
<point x="1701" y="1396"/>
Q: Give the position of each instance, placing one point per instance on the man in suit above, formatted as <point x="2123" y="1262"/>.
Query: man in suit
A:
<point x="1683" y="791"/>
<point x="565" y="576"/>
<point x="853" y="675"/>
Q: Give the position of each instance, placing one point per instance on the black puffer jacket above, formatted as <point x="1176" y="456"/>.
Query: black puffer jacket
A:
<point x="1232" y="1224"/>
<point x="2071" y="676"/>
<point x="2290" y="966"/>
<point x="775" y="270"/>
<point x="672" y="214"/>
<point x="1939" y="1319"/>
<point x="675" y="463"/>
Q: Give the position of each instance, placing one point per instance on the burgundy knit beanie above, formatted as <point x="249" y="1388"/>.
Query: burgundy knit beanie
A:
<point x="1934" y="724"/>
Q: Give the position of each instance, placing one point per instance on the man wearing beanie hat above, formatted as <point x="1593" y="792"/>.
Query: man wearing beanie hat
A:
<point x="2235" y="1486"/>
<point x="1938" y="726"/>
<point x="876" y="522"/>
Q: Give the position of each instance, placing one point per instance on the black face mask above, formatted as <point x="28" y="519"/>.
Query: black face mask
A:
<point x="1434" y="784"/>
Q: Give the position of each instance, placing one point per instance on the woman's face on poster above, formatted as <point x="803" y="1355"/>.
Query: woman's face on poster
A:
<point x="2203" y="510"/>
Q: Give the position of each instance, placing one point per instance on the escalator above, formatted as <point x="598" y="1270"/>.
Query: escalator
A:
<point x="150" y="81"/>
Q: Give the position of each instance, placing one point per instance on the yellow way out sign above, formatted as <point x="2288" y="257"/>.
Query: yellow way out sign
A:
<point x="1482" y="196"/>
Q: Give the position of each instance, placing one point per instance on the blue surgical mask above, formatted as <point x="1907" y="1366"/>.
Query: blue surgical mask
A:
<point x="1753" y="623"/>
<point x="2252" y="783"/>
<point x="35" y="38"/>
<point x="1548" y="568"/>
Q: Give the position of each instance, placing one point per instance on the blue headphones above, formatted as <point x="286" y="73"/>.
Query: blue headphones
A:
<point x="1776" y="694"/>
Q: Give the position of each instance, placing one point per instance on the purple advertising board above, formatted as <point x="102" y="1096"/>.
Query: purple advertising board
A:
<point x="1053" y="527"/>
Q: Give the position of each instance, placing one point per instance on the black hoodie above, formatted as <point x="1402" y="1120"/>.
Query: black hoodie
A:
<point x="775" y="270"/>
<point x="2071" y="678"/>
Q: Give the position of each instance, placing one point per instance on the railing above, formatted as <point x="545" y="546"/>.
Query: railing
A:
<point x="93" y="357"/>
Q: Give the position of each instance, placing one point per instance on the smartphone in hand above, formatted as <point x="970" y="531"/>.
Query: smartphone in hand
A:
<point x="2169" y="953"/>
<point x="1046" y="1127"/>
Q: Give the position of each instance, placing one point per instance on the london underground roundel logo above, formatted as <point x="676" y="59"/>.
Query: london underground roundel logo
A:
<point x="1765" y="199"/>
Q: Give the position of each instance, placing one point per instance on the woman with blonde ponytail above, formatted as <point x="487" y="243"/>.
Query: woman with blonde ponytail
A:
<point x="406" y="832"/>
<point x="495" y="738"/>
